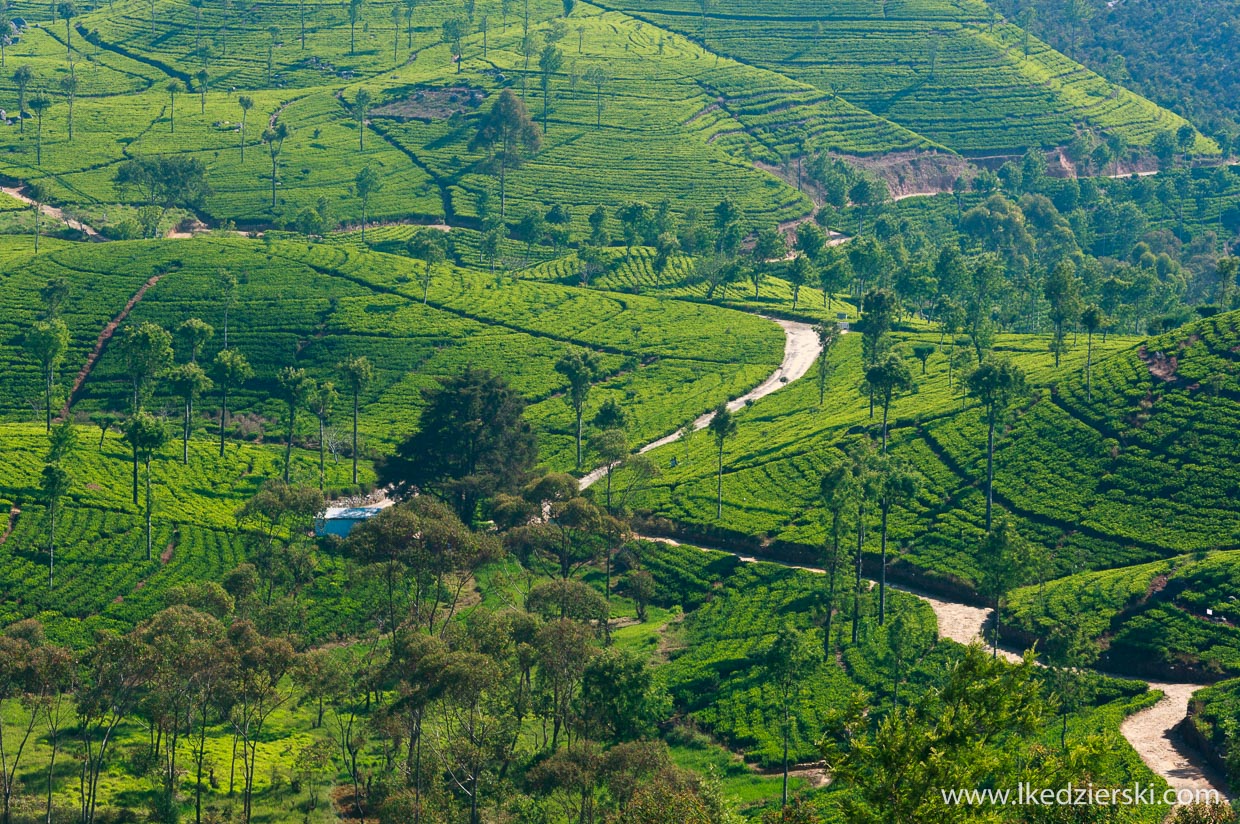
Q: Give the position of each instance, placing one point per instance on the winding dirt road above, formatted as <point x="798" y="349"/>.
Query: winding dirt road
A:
<point x="1151" y="732"/>
<point x="801" y="350"/>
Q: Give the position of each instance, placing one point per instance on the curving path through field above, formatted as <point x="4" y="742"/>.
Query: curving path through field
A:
<point x="53" y="212"/>
<point x="1151" y="732"/>
<point x="801" y="350"/>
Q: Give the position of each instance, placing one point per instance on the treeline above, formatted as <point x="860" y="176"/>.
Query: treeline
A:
<point x="1181" y="56"/>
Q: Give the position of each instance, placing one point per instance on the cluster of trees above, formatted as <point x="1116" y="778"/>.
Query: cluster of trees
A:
<point x="1179" y="56"/>
<point x="154" y="366"/>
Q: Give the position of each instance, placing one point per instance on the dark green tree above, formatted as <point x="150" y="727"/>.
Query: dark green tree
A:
<point x="472" y="442"/>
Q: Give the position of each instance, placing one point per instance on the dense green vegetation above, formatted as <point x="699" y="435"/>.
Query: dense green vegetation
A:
<point x="470" y="259"/>
<point x="1180" y="55"/>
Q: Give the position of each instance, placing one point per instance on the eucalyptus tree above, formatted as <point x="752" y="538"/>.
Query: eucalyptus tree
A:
<point x="323" y="399"/>
<point x="246" y="103"/>
<point x="173" y="88"/>
<point x="361" y="105"/>
<point x="366" y="184"/>
<point x="580" y="368"/>
<point x="431" y="247"/>
<point x="39" y="104"/>
<point x="549" y="62"/>
<point x="509" y="135"/>
<point x="47" y="341"/>
<point x="194" y="334"/>
<point x="357" y="374"/>
<point x="189" y="382"/>
<point x="22" y="78"/>
<point x="828" y="335"/>
<point x="274" y="137"/>
<point x="295" y="385"/>
<point x="838" y="492"/>
<point x="996" y="383"/>
<point x="597" y="78"/>
<point x="895" y="483"/>
<point x="888" y="379"/>
<point x="146" y="435"/>
<point x="69" y="88"/>
<point x="147" y="350"/>
<point x="722" y="426"/>
<point x="231" y="370"/>
<point x="355" y="14"/>
<point x="1092" y="320"/>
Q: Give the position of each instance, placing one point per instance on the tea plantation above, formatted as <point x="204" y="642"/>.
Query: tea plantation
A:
<point x="713" y="374"/>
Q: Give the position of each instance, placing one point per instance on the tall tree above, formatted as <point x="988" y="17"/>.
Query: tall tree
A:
<point x="431" y="247"/>
<point x="508" y="134"/>
<point x="723" y="426"/>
<point x="828" y="336"/>
<point x="274" y="138"/>
<point x="69" y="88"/>
<point x="47" y="341"/>
<point x="788" y="663"/>
<point x="1063" y="293"/>
<point x="174" y="87"/>
<point x="189" y="382"/>
<point x="146" y="435"/>
<point x="355" y="14"/>
<point x="455" y="30"/>
<point x="888" y="379"/>
<point x="22" y="78"/>
<point x="53" y="486"/>
<point x="357" y="374"/>
<point x="366" y="184"/>
<point x="597" y="78"/>
<point x="838" y="492"/>
<point x="580" y="369"/>
<point x="549" y="63"/>
<point x="995" y="384"/>
<point x="410" y="7"/>
<point x="246" y="103"/>
<point x="322" y="402"/>
<point x="39" y="104"/>
<point x="147" y="349"/>
<point x="231" y="370"/>
<point x="1092" y="320"/>
<point x="194" y="334"/>
<point x="1002" y="558"/>
<point x="361" y="105"/>
<point x="895" y="483"/>
<point x="294" y="385"/>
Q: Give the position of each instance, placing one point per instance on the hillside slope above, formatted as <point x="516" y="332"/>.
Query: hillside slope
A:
<point x="950" y="71"/>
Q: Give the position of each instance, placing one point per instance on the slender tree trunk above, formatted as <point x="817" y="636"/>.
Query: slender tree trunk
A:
<point x="189" y="409"/>
<point x="882" y="573"/>
<point x="148" y="506"/>
<point x="48" y="399"/>
<point x="990" y="471"/>
<point x="51" y="546"/>
<point x="322" y="470"/>
<point x="288" y="442"/>
<point x="242" y="163"/>
<point x="785" y="794"/>
<point x="223" y="417"/>
<point x="719" y="488"/>
<point x="856" y="616"/>
<point x="355" y="401"/>
<point x="1089" y="364"/>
